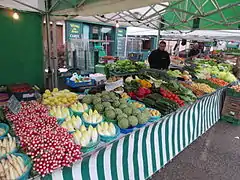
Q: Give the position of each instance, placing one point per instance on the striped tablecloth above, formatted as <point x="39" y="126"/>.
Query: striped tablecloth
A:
<point x="145" y="151"/>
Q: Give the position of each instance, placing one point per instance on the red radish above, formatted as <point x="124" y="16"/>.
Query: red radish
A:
<point x="49" y="145"/>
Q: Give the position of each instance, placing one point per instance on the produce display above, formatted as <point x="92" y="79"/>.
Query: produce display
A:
<point x="169" y="95"/>
<point x="221" y="71"/>
<point x="2" y="131"/>
<point x="218" y="81"/>
<point x="164" y="105"/>
<point x="178" y="74"/>
<point x="183" y="93"/>
<point x="85" y="136"/>
<point x="7" y="145"/>
<point x="55" y="133"/>
<point x="72" y="123"/>
<point x="92" y="117"/>
<point x="79" y="107"/>
<point x="59" y="98"/>
<point x="49" y="145"/>
<point x="154" y="112"/>
<point x="236" y="88"/>
<point x="59" y="112"/>
<point x="126" y="66"/>
<point x="106" y="129"/>
<point x="13" y="167"/>
<point x="202" y="87"/>
<point x="206" y="81"/>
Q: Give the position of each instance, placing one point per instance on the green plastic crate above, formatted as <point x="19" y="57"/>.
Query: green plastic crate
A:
<point x="233" y="93"/>
<point x="231" y="120"/>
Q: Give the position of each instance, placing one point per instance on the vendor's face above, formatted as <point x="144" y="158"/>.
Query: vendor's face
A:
<point x="162" y="46"/>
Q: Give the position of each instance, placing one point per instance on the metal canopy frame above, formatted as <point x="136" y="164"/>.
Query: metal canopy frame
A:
<point x="177" y="15"/>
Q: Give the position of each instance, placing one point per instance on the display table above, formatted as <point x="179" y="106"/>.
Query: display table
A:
<point x="140" y="154"/>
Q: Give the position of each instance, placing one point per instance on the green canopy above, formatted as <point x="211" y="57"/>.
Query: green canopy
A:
<point x="212" y="14"/>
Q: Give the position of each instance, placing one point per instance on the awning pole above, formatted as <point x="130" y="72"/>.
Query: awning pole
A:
<point x="49" y="49"/>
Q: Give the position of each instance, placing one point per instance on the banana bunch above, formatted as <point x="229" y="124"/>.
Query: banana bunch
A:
<point x="7" y="145"/>
<point x="12" y="168"/>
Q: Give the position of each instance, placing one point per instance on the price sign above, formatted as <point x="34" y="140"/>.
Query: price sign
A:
<point x="14" y="105"/>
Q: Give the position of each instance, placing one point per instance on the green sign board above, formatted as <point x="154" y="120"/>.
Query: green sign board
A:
<point x="74" y="30"/>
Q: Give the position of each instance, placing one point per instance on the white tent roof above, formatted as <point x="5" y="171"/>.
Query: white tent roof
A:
<point x="228" y="35"/>
<point x="25" y="5"/>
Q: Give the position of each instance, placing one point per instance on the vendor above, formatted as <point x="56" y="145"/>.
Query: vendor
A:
<point x="194" y="52"/>
<point x="159" y="58"/>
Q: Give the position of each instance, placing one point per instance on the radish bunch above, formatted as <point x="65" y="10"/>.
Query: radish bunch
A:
<point x="49" y="145"/>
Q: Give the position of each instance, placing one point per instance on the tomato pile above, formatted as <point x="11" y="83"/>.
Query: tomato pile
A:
<point x="49" y="145"/>
<point x="169" y="95"/>
<point x="218" y="81"/>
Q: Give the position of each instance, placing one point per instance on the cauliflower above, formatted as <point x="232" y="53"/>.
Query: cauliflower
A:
<point x="123" y="123"/>
<point x="133" y="120"/>
<point x="87" y="99"/>
<point x="110" y="114"/>
<point x="127" y="111"/>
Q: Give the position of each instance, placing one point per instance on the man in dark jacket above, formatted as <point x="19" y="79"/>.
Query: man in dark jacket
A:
<point x="159" y="58"/>
<point x="194" y="52"/>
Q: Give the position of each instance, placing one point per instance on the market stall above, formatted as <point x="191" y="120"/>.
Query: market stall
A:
<point x="111" y="134"/>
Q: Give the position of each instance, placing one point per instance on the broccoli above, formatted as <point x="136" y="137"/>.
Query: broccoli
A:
<point x="116" y="104"/>
<point x="122" y="106"/>
<point x="99" y="107"/>
<point x="118" y="111"/>
<point x="127" y="111"/>
<point x="123" y="123"/>
<point x="106" y="104"/>
<point x="119" y="117"/>
<point x="133" y="120"/>
<point x="87" y="99"/>
<point x="110" y="114"/>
